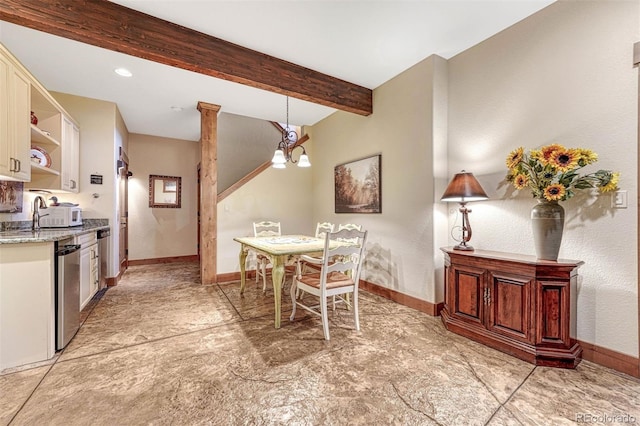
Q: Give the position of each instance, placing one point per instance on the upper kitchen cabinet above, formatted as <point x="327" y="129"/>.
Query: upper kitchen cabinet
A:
<point x="55" y="144"/>
<point x="40" y="140"/>
<point x="70" y="154"/>
<point x="15" y="94"/>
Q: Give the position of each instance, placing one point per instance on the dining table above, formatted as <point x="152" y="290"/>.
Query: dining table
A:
<point x="280" y="250"/>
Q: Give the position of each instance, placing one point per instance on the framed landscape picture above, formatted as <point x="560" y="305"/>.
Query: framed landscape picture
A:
<point x="358" y="186"/>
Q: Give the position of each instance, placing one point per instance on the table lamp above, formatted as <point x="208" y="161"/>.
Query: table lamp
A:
<point x="464" y="188"/>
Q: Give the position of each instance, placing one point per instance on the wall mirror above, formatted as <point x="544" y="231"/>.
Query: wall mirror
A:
<point x="164" y="191"/>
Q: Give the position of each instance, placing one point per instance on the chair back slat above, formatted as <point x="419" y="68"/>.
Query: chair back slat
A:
<point x="351" y="227"/>
<point x="343" y="251"/>
<point x="323" y="228"/>
<point x="266" y="229"/>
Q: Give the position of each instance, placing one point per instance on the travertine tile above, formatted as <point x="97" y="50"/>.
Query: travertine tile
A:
<point x="135" y="314"/>
<point x="15" y="388"/>
<point x="560" y="396"/>
<point x="162" y="349"/>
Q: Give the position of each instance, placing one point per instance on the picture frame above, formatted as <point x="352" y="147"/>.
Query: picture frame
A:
<point x="11" y="196"/>
<point x="358" y="186"/>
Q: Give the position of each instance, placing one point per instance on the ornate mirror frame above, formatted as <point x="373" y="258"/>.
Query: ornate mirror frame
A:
<point x="165" y="191"/>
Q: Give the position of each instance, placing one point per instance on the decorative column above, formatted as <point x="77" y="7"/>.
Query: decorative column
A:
<point x="208" y="191"/>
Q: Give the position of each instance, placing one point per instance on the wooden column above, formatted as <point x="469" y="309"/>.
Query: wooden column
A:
<point x="208" y="191"/>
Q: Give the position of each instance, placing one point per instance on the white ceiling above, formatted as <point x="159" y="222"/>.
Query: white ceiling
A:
<point x="363" y="42"/>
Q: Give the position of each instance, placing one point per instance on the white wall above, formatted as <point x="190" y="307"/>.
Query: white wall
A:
<point x="563" y="75"/>
<point x="278" y="195"/>
<point x="162" y="232"/>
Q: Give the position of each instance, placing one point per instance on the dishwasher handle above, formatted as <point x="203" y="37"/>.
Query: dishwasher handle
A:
<point x="68" y="249"/>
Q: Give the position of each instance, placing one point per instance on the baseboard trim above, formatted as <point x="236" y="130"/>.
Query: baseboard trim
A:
<point x="138" y="262"/>
<point x="608" y="358"/>
<point x="112" y="281"/>
<point x="403" y="299"/>
<point x="234" y="276"/>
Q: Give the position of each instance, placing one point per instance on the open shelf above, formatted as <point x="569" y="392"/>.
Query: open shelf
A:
<point x="39" y="136"/>
<point x="38" y="169"/>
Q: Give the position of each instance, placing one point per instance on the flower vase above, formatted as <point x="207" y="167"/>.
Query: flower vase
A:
<point x="547" y="220"/>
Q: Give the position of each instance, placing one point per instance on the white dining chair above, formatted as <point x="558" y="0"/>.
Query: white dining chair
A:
<point x="264" y="229"/>
<point x="321" y="230"/>
<point x="337" y="278"/>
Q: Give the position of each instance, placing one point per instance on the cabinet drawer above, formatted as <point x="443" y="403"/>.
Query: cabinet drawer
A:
<point x="85" y="240"/>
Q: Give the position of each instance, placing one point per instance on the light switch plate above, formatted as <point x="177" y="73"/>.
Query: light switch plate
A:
<point x="619" y="200"/>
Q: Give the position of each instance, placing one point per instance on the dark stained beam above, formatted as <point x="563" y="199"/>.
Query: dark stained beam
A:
<point x="115" y="27"/>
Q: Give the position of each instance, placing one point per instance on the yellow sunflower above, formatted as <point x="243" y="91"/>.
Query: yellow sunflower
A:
<point x="520" y="181"/>
<point x="547" y="151"/>
<point x="554" y="192"/>
<point x="587" y="156"/>
<point x="515" y="157"/>
<point x="564" y="159"/>
<point x="612" y="185"/>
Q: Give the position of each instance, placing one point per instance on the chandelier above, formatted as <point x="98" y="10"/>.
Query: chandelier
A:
<point x="286" y="146"/>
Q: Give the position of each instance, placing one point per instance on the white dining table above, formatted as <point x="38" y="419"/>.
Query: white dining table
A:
<point x="280" y="250"/>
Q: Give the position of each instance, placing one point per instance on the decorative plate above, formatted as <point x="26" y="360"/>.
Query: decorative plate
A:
<point x="40" y="156"/>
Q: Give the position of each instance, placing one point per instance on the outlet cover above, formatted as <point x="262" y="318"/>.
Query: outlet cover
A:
<point x="619" y="200"/>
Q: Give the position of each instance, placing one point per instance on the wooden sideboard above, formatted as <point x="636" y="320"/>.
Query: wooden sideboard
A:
<point x="514" y="303"/>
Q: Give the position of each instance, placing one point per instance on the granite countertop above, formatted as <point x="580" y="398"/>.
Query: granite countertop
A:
<point x="22" y="234"/>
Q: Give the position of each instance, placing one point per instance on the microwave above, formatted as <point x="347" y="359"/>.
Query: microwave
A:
<point x="60" y="217"/>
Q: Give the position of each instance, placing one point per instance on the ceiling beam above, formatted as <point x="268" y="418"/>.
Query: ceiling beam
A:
<point x="115" y="27"/>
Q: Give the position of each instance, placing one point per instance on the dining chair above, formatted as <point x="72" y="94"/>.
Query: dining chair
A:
<point x="264" y="229"/>
<point x="323" y="228"/>
<point x="336" y="277"/>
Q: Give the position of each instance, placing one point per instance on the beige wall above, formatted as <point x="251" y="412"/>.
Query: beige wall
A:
<point x="400" y="252"/>
<point x="279" y="195"/>
<point x="243" y="145"/>
<point x="563" y="75"/>
<point x="161" y="232"/>
<point x="98" y="147"/>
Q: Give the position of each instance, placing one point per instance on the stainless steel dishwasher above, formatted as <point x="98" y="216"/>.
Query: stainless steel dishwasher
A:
<point x="67" y="291"/>
<point x="103" y="253"/>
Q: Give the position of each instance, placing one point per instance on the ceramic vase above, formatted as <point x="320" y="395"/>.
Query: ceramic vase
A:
<point x="547" y="220"/>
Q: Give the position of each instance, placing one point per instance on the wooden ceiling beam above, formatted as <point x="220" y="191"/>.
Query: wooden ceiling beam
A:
<point x="118" y="28"/>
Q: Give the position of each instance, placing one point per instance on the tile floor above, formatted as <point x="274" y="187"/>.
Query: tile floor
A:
<point x="161" y="349"/>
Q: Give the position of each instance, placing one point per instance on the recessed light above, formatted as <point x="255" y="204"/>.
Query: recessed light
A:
<point x="123" y="72"/>
<point x="176" y="108"/>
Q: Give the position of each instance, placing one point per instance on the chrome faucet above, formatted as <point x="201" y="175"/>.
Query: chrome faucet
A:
<point x="38" y="203"/>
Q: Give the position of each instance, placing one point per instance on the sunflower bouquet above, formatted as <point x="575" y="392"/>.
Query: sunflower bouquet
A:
<point x="551" y="172"/>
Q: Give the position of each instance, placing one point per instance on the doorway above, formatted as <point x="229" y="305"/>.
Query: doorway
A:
<point x="123" y="212"/>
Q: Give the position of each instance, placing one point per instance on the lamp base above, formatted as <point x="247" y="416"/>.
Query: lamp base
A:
<point x="463" y="247"/>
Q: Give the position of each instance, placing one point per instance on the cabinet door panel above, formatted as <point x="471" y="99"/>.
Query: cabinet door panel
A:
<point x="21" y="104"/>
<point x="553" y="304"/>
<point x="85" y="276"/>
<point x="468" y="293"/>
<point x="6" y="166"/>
<point x="510" y="312"/>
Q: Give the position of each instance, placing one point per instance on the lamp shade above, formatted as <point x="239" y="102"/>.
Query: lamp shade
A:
<point x="464" y="187"/>
<point x="278" y="157"/>
<point x="304" y="161"/>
